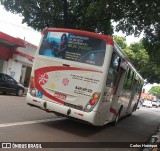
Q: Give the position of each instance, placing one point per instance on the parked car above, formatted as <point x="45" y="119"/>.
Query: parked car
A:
<point x="155" y="103"/>
<point x="10" y="85"/>
<point x="158" y="101"/>
<point x="147" y="103"/>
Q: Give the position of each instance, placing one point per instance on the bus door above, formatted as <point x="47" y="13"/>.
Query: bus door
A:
<point x="127" y="94"/>
<point x="117" y="95"/>
<point x="133" y="98"/>
<point x="113" y="82"/>
<point x="136" y="88"/>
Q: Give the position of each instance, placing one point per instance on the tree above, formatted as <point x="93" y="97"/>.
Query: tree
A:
<point x="78" y="14"/>
<point x="121" y="41"/>
<point x="140" y="59"/>
<point x="143" y="16"/>
<point x="132" y="17"/>
<point x="143" y="63"/>
<point x="155" y="90"/>
<point x="153" y="49"/>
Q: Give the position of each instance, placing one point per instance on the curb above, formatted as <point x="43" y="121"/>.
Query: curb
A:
<point x="153" y="141"/>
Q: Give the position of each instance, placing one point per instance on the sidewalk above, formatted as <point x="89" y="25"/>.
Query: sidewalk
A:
<point x="154" y="140"/>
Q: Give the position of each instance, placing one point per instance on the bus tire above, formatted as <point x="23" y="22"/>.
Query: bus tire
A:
<point x="117" y="116"/>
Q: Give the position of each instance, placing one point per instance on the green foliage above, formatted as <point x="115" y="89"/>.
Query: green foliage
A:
<point x="132" y="16"/>
<point x="140" y="59"/>
<point x="155" y="90"/>
<point x="140" y="16"/>
<point x="78" y="14"/>
<point x="121" y="41"/>
<point x="143" y="63"/>
<point x="153" y="48"/>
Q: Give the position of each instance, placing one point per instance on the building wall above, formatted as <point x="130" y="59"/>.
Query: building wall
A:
<point x="13" y="69"/>
<point x="28" y="50"/>
<point x="25" y="56"/>
<point x="18" y="56"/>
<point x="22" y="60"/>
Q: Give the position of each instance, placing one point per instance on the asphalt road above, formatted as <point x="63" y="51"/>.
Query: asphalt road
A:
<point x="22" y="123"/>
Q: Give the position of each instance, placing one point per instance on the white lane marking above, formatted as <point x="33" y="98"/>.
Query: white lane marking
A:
<point x="30" y="122"/>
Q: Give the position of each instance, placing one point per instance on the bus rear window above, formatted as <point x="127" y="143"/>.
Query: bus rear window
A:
<point x="73" y="47"/>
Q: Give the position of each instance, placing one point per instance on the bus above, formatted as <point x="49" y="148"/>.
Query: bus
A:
<point x="83" y="76"/>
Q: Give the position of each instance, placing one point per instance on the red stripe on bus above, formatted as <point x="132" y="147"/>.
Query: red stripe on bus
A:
<point x="112" y="110"/>
<point x="57" y="68"/>
<point x="107" y="39"/>
<point x="44" y="70"/>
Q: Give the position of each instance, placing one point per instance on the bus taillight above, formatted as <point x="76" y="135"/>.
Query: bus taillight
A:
<point x="32" y="79"/>
<point x="94" y="99"/>
<point x="95" y="96"/>
<point x="32" y="86"/>
<point x="91" y="104"/>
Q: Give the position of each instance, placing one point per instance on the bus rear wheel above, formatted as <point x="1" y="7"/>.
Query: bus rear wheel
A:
<point x="116" y="119"/>
<point x="117" y="116"/>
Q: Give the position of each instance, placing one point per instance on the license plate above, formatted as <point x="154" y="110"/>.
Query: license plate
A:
<point x="60" y="96"/>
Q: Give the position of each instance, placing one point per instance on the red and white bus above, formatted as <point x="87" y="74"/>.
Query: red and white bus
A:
<point x="83" y="75"/>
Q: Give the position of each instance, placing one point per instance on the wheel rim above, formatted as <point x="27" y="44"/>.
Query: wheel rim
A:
<point x="20" y="92"/>
<point x="117" y="117"/>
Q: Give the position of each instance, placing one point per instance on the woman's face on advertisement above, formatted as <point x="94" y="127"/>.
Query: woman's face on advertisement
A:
<point x="63" y="38"/>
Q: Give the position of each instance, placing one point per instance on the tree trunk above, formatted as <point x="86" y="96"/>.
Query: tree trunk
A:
<point x="65" y="11"/>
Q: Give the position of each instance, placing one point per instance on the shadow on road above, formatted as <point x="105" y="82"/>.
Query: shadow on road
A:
<point x="81" y="129"/>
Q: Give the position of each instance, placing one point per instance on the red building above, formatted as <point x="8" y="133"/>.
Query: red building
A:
<point x="8" y="45"/>
<point x="147" y="96"/>
<point x="16" y="57"/>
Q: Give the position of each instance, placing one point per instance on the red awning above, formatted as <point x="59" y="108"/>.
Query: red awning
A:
<point x="5" y="54"/>
<point x="8" y="45"/>
<point x="10" y="41"/>
<point x="30" y="58"/>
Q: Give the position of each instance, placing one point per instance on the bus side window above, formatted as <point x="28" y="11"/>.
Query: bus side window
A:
<point x="113" y="70"/>
<point x="139" y="87"/>
<point x="129" y="80"/>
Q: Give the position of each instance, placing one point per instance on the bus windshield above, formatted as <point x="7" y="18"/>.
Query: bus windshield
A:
<point x="73" y="47"/>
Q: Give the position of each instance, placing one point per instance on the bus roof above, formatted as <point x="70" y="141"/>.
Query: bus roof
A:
<point x="107" y="39"/>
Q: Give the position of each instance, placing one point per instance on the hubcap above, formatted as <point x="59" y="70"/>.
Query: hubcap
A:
<point x="117" y="117"/>
<point x="20" y="92"/>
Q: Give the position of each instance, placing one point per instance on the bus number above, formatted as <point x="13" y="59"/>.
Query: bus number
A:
<point x="83" y="89"/>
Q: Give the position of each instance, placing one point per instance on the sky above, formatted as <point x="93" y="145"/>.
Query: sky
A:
<point x="149" y="86"/>
<point x="11" y="24"/>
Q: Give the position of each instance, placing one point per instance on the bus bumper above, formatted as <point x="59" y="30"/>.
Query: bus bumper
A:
<point x="88" y="117"/>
